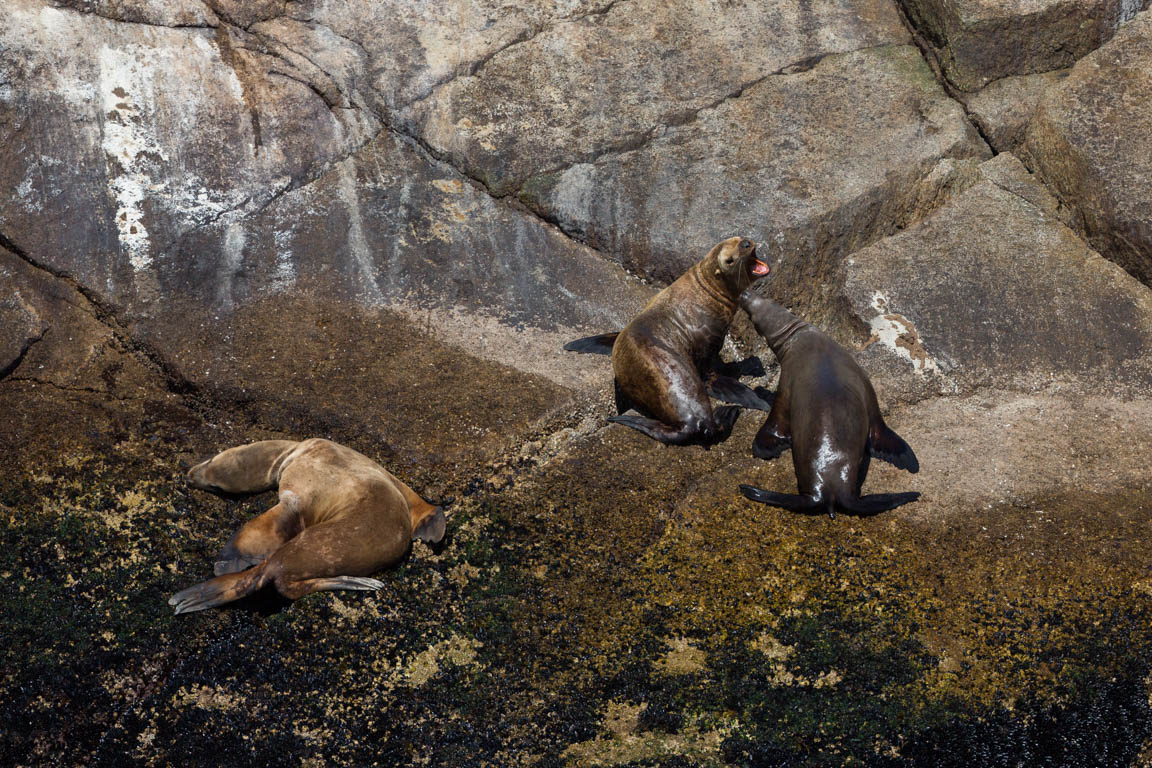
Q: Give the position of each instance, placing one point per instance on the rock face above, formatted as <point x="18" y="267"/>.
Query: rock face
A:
<point x="378" y="222"/>
<point x="1003" y="108"/>
<point x="538" y="107"/>
<point x="978" y="41"/>
<point x="151" y="132"/>
<point x="1091" y="139"/>
<point x="797" y="161"/>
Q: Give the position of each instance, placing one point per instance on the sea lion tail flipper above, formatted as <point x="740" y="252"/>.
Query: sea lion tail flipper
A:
<point x="430" y="530"/>
<point x="876" y="502"/>
<point x="888" y="446"/>
<point x="730" y="390"/>
<point x="220" y="590"/>
<point x="789" y="501"/>
<point x="593" y="345"/>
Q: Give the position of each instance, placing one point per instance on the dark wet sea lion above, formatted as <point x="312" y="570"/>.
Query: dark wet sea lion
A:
<point x="826" y="410"/>
<point x="340" y="517"/>
<point x="665" y="361"/>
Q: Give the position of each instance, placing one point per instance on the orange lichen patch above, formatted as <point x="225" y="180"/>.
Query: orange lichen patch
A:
<point x="910" y="340"/>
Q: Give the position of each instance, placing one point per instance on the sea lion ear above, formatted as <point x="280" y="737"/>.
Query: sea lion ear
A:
<point x="431" y="528"/>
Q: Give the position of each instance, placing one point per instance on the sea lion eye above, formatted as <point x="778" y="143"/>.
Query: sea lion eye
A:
<point x="746" y="244"/>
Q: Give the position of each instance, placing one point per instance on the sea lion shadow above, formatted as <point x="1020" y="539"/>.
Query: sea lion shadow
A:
<point x="267" y="601"/>
<point x="264" y="602"/>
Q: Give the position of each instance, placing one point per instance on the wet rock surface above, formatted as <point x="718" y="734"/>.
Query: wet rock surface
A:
<point x="378" y="222"/>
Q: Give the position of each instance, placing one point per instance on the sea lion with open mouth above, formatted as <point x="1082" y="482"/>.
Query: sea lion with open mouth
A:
<point x="340" y="517"/>
<point x="665" y="361"/>
<point x="825" y="409"/>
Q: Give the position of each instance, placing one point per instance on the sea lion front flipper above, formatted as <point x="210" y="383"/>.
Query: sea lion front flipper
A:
<point x="261" y="536"/>
<point x="774" y="437"/>
<point x="888" y="446"/>
<point x="716" y="430"/>
<point x="730" y="390"/>
<point x="623" y="402"/>
<point x="749" y="366"/>
<point x="593" y="345"/>
<point x="431" y="529"/>
<point x="789" y="501"/>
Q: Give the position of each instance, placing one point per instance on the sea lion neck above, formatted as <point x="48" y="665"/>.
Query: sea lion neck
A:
<point x="714" y="288"/>
<point x="776" y="324"/>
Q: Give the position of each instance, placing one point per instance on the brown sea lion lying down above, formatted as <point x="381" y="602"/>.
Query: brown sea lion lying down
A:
<point x="825" y="409"/>
<point x="666" y="361"/>
<point x="341" y="517"/>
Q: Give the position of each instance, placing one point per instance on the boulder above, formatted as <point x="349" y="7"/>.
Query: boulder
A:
<point x="994" y="290"/>
<point x="978" y="41"/>
<point x="1091" y="141"/>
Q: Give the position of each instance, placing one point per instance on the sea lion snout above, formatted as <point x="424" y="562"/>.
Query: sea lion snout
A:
<point x="195" y="476"/>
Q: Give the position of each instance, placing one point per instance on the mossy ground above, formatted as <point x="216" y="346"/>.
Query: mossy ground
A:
<point x="599" y="600"/>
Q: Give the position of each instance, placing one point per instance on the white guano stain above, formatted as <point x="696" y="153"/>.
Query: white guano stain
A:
<point x="235" y="238"/>
<point x="285" y="275"/>
<point x="896" y="333"/>
<point x="357" y="242"/>
<point x="126" y="87"/>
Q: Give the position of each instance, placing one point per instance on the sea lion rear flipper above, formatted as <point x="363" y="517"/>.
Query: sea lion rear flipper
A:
<point x="656" y="430"/>
<point x="431" y="529"/>
<point x="877" y="502"/>
<point x="220" y="590"/>
<point x="730" y="390"/>
<point x="789" y="501"/>
<point x="593" y="345"/>
<point x="297" y="589"/>
<point x="888" y="446"/>
<point x="720" y="426"/>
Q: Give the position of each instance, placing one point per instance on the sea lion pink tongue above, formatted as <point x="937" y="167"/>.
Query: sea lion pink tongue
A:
<point x="340" y="517"/>
<point x="826" y="410"/>
<point x="666" y="362"/>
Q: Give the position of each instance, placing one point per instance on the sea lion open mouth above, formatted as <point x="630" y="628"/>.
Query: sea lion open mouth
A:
<point x="759" y="268"/>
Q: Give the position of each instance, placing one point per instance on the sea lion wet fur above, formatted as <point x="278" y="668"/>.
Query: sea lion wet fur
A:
<point x="665" y="362"/>
<point x="826" y="410"/>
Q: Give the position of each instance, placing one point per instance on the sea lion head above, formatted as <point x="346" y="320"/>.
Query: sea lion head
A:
<point x="734" y="262"/>
<point x="241" y="469"/>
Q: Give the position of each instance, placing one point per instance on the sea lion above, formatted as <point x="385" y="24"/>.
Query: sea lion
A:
<point x="665" y="361"/>
<point x="826" y="410"/>
<point x="340" y="517"/>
